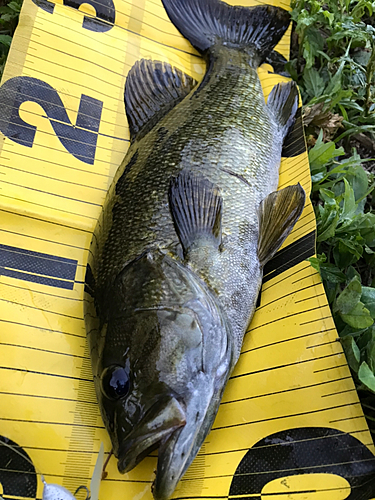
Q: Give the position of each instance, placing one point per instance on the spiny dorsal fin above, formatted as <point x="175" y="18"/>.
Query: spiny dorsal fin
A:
<point x="196" y="207"/>
<point x="277" y="215"/>
<point x="152" y="89"/>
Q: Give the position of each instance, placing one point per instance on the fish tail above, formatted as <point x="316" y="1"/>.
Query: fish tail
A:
<point x="257" y="30"/>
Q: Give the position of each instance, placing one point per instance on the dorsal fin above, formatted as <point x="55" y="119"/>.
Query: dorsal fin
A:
<point x="152" y="89"/>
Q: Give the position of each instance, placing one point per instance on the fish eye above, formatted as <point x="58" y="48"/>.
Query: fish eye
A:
<point x="115" y="382"/>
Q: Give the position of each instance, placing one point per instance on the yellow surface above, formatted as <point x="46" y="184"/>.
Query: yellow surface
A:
<point x="292" y="372"/>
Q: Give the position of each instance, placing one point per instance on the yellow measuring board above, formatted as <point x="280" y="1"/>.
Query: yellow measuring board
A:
<point x="290" y="424"/>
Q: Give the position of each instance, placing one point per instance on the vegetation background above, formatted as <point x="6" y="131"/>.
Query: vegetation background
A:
<point x="333" y="62"/>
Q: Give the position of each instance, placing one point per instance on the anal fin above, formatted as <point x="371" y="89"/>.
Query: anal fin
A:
<point x="196" y="207"/>
<point x="277" y="215"/>
<point x="152" y="89"/>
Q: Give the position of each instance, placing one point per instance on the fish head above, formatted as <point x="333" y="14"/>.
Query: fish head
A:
<point x="166" y="354"/>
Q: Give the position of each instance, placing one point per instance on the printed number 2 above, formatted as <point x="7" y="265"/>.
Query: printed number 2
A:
<point x="105" y="12"/>
<point x="80" y="140"/>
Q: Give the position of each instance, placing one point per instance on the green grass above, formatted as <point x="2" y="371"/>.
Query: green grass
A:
<point x="9" y="13"/>
<point x="333" y="62"/>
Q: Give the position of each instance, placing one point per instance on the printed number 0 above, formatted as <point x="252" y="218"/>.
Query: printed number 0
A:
<point x="303" y="451"/>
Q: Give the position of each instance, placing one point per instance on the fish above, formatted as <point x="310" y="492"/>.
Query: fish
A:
<point x="192" y="216"/>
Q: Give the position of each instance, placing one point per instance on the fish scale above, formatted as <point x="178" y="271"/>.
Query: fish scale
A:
<point x="239" y="121"/>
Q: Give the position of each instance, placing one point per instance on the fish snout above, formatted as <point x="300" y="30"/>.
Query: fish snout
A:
<point x="160" y="421"/>
<point x="179" y="449"/>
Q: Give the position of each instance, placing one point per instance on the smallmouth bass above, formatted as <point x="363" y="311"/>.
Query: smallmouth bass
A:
<point x="189" y="222"/>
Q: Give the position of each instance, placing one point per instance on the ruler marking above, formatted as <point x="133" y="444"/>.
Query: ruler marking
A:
<point x="340" y="353"/>
<point x="281" y="417"/>
<point x="57" y="375"/>
<point x="289" y="390"/>
<point x="318" y="332"/>
<point x="290" y="316"/>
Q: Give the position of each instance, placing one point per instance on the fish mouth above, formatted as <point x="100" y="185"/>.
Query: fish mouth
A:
<point x="161" y="421"/>
<point x="178" y="450"/>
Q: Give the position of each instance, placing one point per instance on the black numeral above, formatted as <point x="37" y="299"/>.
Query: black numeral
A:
<point x="105" y="12"/>
<point x="305" y="450"/>
<point x="17" y="474"/>
<point x="80" y="140"/>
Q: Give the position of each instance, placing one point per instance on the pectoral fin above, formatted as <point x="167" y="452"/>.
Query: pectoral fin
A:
<point x="196" y="207"/>
<point x="277" y="215"/>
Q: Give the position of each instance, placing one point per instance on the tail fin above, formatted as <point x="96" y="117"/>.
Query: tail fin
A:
<point x="204" y="22"/>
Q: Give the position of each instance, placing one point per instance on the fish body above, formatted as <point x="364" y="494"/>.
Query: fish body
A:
<point x="189" y="221"/>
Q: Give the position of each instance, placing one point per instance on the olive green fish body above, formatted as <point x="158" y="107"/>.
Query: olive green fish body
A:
<point x="189" y="221"/>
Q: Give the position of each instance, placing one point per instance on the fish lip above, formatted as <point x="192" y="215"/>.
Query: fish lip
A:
<point x="161" y="421"/>
<point x="163" y="486"/>
<point x="134" y="451"/>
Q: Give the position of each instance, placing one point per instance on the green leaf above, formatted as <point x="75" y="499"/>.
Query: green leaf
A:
<point x="349" y="297"/>
<point x="370" y="351"/>
<point x="327" y="195"/>
<point x="5" y="40"/>
<point x="335" y="83"/>
<point x="362" y="56"/>
<point x="352" y="352"/>
<point x="329" y="16"/>
<point x="341" y="95"/>
<point x="15" y="6"/>
<point x="351" y="273"/>
<point x="322" y="153"/>
<point x="329" y="218"/>
<point x="314" y="83"/>
<point x="361" y="226"/>
<point x="347" y="252"/>
<point x="6" y="18"/>
<point x="349" y="207"/>
<point x="359" y="317"/>
<point x="317" y="261"/>
<point x="330" y="273"/>
<point x="366" y="376"/>
<point x="331" y="289"/>
<point x="313" y="41"/>
<point x="368" y="299"/>
<point x="359" y="180"/>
